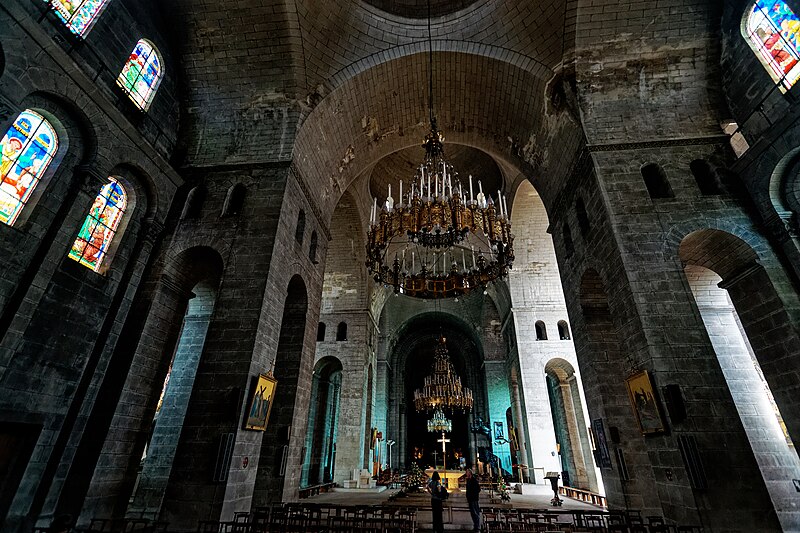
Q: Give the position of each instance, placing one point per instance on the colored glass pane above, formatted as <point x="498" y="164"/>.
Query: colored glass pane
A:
<point x="27" y="149"/>
<point x="78" y="15"/>
<point x="141" y="74"/>
<point x="774" y="29"/>
<point x="100" y="226"/>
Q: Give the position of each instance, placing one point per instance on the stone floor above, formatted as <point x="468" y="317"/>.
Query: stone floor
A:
<point x="536" y="497"/>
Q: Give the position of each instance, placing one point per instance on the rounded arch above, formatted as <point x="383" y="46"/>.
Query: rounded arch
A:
<point x="410" y="355"/>
<point x="371" y="136"/>
<point x="717" y="250"/>
<point x="763" y="316"/>
<point x="190" y="266"/>
<point x="559" y="368"/>
<point x="784" y="185"/>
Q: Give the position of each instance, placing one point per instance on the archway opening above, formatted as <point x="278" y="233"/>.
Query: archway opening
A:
<point x="425" y="447"/>
<point x="711" y="258"/>
<point x="572" y="438"/>
<point x="173" y="403"/>
<point x="323" y="421"/>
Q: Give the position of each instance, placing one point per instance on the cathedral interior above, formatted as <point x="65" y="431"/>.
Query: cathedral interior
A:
<point x="193" y="197"/>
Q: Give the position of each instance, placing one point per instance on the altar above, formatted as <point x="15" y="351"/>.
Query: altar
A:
<point x="449" y="477"/>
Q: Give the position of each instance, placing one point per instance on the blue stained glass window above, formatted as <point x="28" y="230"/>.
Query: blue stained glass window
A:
<point x="141" y="74"/>
<point x="774" y="30"/>
<point x="78" y="15"/>
<point x="25" y="153"/>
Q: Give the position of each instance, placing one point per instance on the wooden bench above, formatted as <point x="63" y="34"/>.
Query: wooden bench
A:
<point x="584" y="496"/>
<point x="313" y="490"/>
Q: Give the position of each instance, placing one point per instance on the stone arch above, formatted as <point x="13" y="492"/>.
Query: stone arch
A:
<point x="370" y="136"/>
<point x="413" y="346"/>
<point x="762" y="313"/>
<point x="655" y="179"/>
<point x="320" y="442"/>
<point x="271" y="477"/>
<point x="760" y="417"/>
<point x="570" y="426"/>
<point x="133" y="385"/>
<point x="784" y="186"/>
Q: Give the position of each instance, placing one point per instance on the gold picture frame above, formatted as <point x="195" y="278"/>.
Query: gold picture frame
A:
<point x="645" y="405"/>
<point x="261" y="401"/>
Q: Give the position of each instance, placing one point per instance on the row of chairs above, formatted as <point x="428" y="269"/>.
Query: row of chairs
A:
<point x="547" y="521"/>
<point x="318" y="518"/>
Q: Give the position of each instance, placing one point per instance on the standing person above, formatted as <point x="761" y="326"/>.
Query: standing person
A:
<point x="473" y="489"/>
<point x="435" y="489"/>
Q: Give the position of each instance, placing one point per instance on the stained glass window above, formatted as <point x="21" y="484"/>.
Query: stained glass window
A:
<point x="27" y="149"/>
<point x="141" y="74"/>
<point x="78" y="15"/>
<point x="774" y="30"/>
<point x="100" y="226"/>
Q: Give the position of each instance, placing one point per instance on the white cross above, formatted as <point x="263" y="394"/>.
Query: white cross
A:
<point x="444" y="442"/>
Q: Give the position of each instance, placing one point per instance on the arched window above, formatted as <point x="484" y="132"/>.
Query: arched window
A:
<point x="706" y="178"/>
<point x="321" y="332"/>
<point x="27" y="149"/>
<point x="141" y="74"/>
<point x="312" y="248"/>
<point x="234" y="200"/>
<point x="341" y="331"/>
<point x="100" y="226"/>
<point x="300" y="230"/>
<point x="541" y="331"/>
<point x="656" y="181"/>
<point x="773" y="30"/>
<point x="563" y="330"/>
<point x="78" y="15"/>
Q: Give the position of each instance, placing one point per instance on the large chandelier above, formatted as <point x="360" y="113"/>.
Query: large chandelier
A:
<point x="435" y="241"/>
<point x="442" y="389"/>
<point x="439" y="422"/>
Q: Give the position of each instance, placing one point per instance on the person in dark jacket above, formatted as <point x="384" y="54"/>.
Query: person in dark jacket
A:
<point x="473" y="490"/>
<point x="435" y="489"/>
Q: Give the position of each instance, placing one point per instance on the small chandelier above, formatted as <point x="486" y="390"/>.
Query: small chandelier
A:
<point x="437" y="242"/>
<point x="439" y="422"/>
<point x="442" y="389"/>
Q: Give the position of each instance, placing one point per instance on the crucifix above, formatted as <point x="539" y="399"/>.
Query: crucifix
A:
<point x="444" y="442"/>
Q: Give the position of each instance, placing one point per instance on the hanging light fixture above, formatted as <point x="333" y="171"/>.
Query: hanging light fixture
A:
<point x="442" y="389"/>
<point x="439" y="422"/>
<point x="440" y="239"/>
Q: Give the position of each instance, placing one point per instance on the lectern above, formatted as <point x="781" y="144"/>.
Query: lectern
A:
<point x="553" y="477"/>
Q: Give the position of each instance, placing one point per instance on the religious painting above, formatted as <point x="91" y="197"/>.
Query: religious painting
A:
<point x="601" y="455"/>
<point x="498" y="431"/>
<point x="644" y="403"/>
<point x="774" y="30"/>
<point x="261" y="403"/>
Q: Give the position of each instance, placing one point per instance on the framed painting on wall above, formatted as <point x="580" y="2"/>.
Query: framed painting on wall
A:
<point x="601" y="455"/>
<point x="645" y="404"/>
<point x="261" y="402"/>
